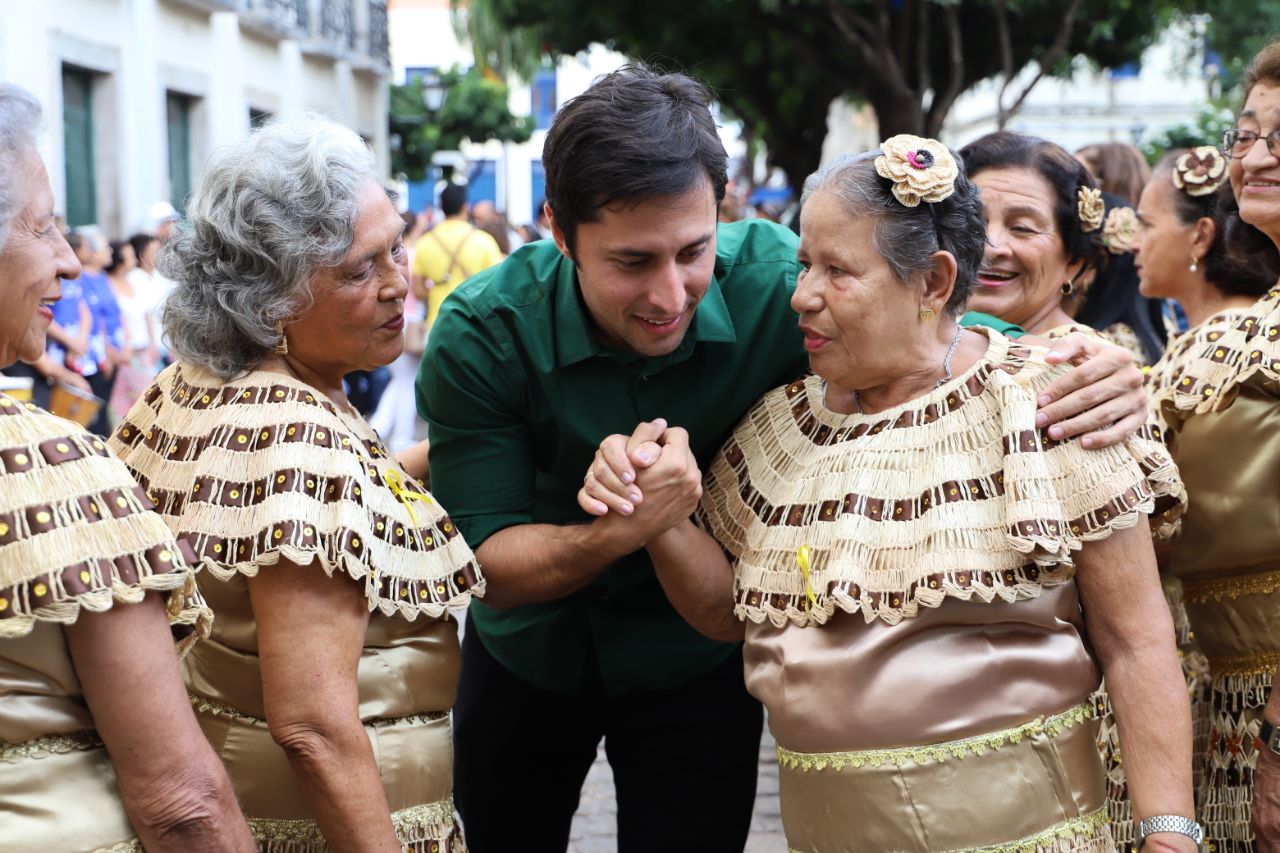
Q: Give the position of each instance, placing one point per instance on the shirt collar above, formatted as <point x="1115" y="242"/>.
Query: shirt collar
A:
<point x="575" y="335"/>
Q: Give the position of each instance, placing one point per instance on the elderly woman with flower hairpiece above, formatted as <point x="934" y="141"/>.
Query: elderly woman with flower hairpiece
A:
<point x="327" y="682"/>
<point x="1223" y="407"/>
<point x="930" y="587"/>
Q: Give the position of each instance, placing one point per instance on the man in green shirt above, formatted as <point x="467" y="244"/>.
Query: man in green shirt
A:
<point x="641" y="308"/>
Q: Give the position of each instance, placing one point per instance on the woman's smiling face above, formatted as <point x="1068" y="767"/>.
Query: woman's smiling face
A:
<point x="1026" y="262"/>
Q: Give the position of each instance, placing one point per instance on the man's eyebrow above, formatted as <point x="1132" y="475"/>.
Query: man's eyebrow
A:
<point x="645" y="253"/>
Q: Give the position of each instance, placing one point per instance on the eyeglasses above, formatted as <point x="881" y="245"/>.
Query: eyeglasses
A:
<point x="1236" y="143"/>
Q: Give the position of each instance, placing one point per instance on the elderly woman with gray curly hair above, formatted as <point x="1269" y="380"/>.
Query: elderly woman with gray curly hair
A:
<point x="328" y="679"/>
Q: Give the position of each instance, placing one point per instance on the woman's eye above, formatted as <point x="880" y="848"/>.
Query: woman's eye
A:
<point x="805" y="266"/>
<point x="397" y="251"/>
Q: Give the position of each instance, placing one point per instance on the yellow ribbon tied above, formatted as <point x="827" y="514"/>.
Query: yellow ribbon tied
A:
<point x="803" y="559"/>
<point x="392" y="478"/>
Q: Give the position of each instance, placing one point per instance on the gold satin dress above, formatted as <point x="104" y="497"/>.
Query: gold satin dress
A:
<point x="264" y="468"/>
<point x="913" y="624"/>
<point x="75" y="536"/>
<point x="1223" y="407"/>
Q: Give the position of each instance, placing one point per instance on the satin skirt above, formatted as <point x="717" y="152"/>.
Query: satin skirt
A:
<point x="1033" y="788"/>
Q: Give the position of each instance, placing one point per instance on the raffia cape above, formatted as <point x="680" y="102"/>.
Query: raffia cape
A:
<point x="954" y="494"/>
<point x="1217" y="364"/>
<point x="76" y="531"/>
<point x="1163" y="379"/>
<point x="264" y="468"/>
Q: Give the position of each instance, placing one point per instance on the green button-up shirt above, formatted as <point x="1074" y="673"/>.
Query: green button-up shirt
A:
<point x="519" y="392"/>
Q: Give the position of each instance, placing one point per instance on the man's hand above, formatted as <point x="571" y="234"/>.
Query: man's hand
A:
<point x="1102" y="398"/>
<point x="672" y="487"/>
<point x="610" y="482"/>
<point x="1265" y="817"/>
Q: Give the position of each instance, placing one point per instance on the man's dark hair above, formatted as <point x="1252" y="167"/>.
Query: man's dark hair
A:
<point x="453" y="198"/>
<point x="636" y="134"/>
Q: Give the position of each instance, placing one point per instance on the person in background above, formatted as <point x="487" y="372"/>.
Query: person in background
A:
<point x="99" y="749"/>
<point x="486" y="216"/>
<point x="161" y="217"/>
<point x="106" y="340"/>
<point x="1118" y="168"/>
<point x="451" y="252"/>
<point x="136" y="307"/>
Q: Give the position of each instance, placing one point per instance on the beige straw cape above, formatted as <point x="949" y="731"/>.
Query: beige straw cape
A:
<point x="954" y="494"/>
<point x="76" y="531"/>
<point x="1222" y="356"/>
<point x="264" y="468"/>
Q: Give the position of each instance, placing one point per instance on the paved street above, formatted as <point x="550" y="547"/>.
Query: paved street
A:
<point x="594" y="825"/>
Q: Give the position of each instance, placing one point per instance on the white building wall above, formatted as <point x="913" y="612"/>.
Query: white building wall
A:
<point x="142" y="49"/>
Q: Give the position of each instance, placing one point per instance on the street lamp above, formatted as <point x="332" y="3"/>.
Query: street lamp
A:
<point x="433" y="91"/>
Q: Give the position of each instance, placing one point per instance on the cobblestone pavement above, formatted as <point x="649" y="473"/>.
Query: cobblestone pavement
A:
<point x="594" y="825"/>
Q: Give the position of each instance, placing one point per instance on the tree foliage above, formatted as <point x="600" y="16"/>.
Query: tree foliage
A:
<point x="778" y="64"/>
<point x="474" y="110"/>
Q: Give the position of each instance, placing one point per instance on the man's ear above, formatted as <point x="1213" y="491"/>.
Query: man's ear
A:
<point x="557" y="233"/>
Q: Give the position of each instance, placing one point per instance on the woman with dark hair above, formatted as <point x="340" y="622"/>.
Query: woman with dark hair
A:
<point x="1223" y="406"/>
<point x="928" y="586"/>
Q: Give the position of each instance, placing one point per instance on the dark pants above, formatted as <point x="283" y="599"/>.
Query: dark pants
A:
<point x="684" y="760"/>
<point x="101" y="387"/>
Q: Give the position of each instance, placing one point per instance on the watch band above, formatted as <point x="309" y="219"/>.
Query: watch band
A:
<point x="1270" y="736"/>
<point x="1170" y="823"/>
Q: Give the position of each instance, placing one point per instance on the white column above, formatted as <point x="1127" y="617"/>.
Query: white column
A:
<point x="381" y="145"/>
<point x="143" y="171"/>
<point x="344" y="85"/>
<point x="292" y="95"/>
<point x="228" y="107"/>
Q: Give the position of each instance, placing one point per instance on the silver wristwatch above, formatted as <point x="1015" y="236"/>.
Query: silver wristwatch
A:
<point x="1171" y="823"/>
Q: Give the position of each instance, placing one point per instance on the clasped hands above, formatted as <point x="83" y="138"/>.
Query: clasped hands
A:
<point x="644" y="483"/>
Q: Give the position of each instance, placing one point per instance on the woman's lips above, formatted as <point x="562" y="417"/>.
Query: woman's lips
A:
<point x="812" y="340"/>
<point x="395" y="325"/>
<point x="995" y="279"/>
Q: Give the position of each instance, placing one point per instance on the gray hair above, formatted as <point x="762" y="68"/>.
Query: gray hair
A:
<point x="19" y="122"/>
<point x="907" y="237"/>
<point x="271" y="211"/>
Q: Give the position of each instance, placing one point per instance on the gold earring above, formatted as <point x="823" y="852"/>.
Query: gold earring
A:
<point x="1067" y="288"/>
<point x="927" y="313"/>
<point x="1195" y="264"/>
<point x="282" y="348"/>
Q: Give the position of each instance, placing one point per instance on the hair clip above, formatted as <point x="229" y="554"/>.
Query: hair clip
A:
<point x="921" y="169"/>
<point x="1090" y="207"/>
<point x="1120" y="230"/>
<point x="1200" y="171"/>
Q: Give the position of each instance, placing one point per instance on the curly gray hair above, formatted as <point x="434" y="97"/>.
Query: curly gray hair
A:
<point x="19" y="122"/>
<point x="271" y="211"/>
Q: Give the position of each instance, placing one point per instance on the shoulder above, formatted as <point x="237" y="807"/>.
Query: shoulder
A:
<point x="754" y="241"/>
<point x="526" y="278"/>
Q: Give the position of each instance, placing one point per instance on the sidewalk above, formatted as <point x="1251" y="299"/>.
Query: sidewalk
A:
<point x="595" y="823"/>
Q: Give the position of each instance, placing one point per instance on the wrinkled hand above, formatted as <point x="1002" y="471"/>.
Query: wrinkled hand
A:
<point x="1265" y="817"/>
<point x="75" y="380"/>
<point x="1168" y="842"/>
<point x="1102" y="398"/>
<point x="672" y="487"/>
<point x="610" y="482"/>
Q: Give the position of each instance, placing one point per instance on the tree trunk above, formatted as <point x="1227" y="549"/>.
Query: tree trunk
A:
<point x="898" y="114"/>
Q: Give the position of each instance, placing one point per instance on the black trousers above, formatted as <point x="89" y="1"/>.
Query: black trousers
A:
<point x="684" y="760"/>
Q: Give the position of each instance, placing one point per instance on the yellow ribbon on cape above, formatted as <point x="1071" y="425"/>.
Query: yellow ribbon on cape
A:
<point x="803" y="559"/>
<point x="394" y="482"/>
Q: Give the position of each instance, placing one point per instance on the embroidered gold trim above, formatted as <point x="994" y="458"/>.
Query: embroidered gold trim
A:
<point x="222" y="709"/>
<point x="417" y="823"/>
<point x="1201" y="591"/>
<point x="46" y="745"/>
<point x="1060" y="836"/>
<point x="1261" y="663"/>
<point x="1050" y="726"/>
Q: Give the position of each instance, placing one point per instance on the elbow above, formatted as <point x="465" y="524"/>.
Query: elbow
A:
<point x="311" y="744"/>
<point x="184" y="808"/>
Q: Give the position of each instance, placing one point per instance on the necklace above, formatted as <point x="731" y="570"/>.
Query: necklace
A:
<point x="946" y="367"/>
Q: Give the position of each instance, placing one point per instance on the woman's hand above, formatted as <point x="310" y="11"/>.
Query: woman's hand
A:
<point x="1168" y="842"/>
<point x="1265" y="813"/>
<point x="610" y="482"/>
<point x="311" y="630"/>
<point x="1102" y="398"/>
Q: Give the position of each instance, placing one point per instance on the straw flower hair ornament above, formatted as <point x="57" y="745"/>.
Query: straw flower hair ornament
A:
<point x="1120" y="230"/>
<point x="921" y="169"/>
<point x="1090" y="206"/>
<point x="1200" y="171"/>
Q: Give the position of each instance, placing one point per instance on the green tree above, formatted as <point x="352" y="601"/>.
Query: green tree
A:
<point x="1205" y="129"/>
<point x="778" y="64"/>
<point x="1236" y="30"/>
<point x="474" y="110"/>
